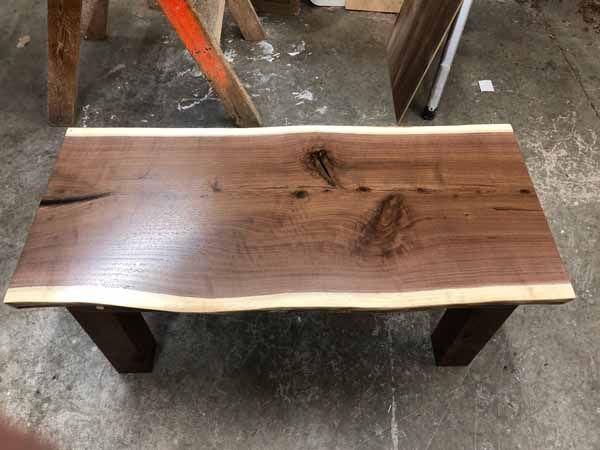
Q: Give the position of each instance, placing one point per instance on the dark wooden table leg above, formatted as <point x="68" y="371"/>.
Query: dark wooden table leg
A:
<point x="123" y="337"/>
<point x="64" y="32"/>
<point x="462" y="333"/>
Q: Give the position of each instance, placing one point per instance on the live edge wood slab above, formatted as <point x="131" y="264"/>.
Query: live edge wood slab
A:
<point x="351" y="218"/>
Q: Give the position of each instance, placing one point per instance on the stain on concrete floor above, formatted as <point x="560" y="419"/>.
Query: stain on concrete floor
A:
<point x="315" y="380"/>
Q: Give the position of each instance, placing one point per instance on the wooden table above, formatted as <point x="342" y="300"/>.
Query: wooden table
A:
<point x="350" y="218"/>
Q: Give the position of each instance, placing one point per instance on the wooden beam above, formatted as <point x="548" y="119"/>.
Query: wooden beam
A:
<point x="245" y="16"/>
<point x="64" y="36"/>
<point x="207" y="53"/>
<point x="94" y="19"/>
<point x="215" y="220"/>
<point x="417" y="36"/>
<point x="212" y="12"/>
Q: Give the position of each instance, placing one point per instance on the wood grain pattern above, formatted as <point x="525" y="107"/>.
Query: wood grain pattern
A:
<point x="417" y="35"/>
<point x="220" y="220"/>
<point x="245" y="16"/>
<point x="389" y="6"/>
<point x="94" y="19"/>
<point x="212" y="12"/>
<point x="64" y="37"/>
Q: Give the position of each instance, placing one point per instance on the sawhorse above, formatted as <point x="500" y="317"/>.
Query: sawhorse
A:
<point x="198" y="24"/>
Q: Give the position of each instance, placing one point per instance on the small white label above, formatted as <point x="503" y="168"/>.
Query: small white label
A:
<point x="486" y="86"/>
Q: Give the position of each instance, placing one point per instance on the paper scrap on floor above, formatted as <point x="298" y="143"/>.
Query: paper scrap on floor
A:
<point x="486" y="86"/>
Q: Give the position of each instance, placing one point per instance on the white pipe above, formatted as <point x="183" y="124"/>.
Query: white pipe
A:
<point x="448" y="58"/>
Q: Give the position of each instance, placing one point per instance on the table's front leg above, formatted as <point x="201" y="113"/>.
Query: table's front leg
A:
<point x="462" y="333"/>
<point x="123" y="337"/>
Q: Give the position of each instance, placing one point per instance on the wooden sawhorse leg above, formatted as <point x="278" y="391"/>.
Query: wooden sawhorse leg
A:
<point x="94" y="19"/>
<point x="123" y="337"/>
<point x="64" y="35"/>
<point x="205" y="49"/>
<point x="64" y="39"/>
<point x="245" y="16"/>
<point x="462" y="333"/>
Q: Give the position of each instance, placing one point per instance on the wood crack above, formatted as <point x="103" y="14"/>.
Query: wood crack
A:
<point x="46" y="202"/>
<point x="512" y="208"/>
<point x="321" y="163"/>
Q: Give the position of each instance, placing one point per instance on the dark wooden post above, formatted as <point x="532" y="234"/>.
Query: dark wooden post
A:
<point x="64" y="36"/>
<point x="94" y="19"/>
<point x="462" y="333"/>
<point x="123" y="337"/>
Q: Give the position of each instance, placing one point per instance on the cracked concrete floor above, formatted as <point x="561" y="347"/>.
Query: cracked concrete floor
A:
<point x="315" y="380"/>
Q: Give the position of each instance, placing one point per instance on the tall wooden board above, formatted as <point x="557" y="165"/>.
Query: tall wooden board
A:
<point x="417" y="35"/>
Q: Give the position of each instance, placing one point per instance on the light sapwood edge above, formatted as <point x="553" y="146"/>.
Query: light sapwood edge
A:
<point x="277" y="131"/>
<point x="439" y="298"/>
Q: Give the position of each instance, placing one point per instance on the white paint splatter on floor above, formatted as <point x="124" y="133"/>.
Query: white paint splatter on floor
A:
<point x="268" y="52"/>
<point x="85" y="116"/>
<point x="298" y="48"/>
<point x="265" y="77"/>
<point x="115" y="69"/>
<point x="303" y="95"/>
<point x="266" y="47"/>
<point x="563" y="149"/>
<point x="230" y="55"/>
<point x="194" y="72"/>
<point x="187" y="103"/>
<point x="183" y="72"/>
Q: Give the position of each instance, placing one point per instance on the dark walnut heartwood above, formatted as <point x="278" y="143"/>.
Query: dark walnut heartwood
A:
<point x="418" y="34"/>
<point x="212" y="220"/>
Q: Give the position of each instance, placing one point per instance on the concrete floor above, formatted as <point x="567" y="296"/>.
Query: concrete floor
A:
<point x="315" y="380"/>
